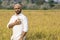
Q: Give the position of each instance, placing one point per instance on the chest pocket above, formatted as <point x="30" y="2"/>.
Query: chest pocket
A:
<point x="19" y="18"/>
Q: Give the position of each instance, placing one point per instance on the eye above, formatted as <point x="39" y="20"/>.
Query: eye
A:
<point x="16" y="8"/>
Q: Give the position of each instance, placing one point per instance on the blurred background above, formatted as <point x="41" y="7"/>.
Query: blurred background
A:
<point x="43" y="18"/>
<point x="31" y="4"/>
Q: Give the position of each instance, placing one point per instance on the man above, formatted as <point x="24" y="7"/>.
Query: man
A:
<point x="18" y="23"/>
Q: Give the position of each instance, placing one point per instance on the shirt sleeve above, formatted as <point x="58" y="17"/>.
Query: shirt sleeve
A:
<point x="25" y="24"/>
<point x="9" y="22"/>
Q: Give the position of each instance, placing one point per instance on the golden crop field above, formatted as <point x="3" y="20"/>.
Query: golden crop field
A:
<point x="43" y="24"/>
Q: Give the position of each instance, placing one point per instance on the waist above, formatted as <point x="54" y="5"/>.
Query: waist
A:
<point x="17" y="30"/>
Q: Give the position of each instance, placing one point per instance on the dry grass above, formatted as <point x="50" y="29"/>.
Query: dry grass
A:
<point x="43" y="25"/>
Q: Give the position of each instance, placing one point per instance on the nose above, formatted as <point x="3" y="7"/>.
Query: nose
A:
<point x="16" y="9"/>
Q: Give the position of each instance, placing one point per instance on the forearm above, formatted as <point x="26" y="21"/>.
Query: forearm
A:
<point x="11" y="25"/>
<point x="23" y="34"/>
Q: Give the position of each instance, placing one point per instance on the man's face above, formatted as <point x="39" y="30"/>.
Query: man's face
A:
<point x="17" y="9"/>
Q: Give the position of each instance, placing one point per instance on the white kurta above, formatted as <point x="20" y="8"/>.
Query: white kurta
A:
<point x="17" y="29"/>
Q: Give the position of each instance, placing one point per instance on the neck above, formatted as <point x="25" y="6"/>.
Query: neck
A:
<point x="17" y="13"/>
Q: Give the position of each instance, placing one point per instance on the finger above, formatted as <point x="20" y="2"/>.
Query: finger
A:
<point x="16" y="20"/>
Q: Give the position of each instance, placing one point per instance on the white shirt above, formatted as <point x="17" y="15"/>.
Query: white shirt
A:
<point x="17" y="29"/>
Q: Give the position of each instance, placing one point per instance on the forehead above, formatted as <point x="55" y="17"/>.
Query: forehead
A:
<point x="17" y="6"/>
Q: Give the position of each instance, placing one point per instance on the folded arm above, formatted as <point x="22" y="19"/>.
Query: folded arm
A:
<point x="12" y="24"/>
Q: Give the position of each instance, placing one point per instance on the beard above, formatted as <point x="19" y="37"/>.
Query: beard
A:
<point x="18" y="12"/>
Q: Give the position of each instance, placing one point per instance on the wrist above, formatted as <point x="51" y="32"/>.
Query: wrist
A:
<point x="21" y="36"/>
<point x="14" y="24"/>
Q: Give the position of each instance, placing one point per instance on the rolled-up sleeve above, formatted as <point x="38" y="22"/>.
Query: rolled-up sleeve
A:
<point x="9" y="22"/>
<point x="25" y="24"/>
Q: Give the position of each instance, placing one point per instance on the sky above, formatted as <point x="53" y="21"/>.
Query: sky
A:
<point x="54" y="0"/>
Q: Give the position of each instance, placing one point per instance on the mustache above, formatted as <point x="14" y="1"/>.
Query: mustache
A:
<point x="18" y="12"/>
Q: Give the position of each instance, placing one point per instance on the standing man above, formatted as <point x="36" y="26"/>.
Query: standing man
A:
<point x="18" y="23"/>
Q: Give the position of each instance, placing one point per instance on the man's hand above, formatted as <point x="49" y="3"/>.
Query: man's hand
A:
<point x="21" y="38"/>
<point x="22" y="35"/>
<point x="17" y="22"/>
